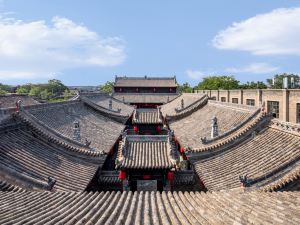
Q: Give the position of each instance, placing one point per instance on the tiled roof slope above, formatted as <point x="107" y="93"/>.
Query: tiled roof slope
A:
<point x="146" y="116"/>
<point x="145" y="82"/>
<point x="100" y="130"/>
<point x="230" y="207"/>
<point x="103" y="100"/>
<point x="175" y="106"/>
<point x="269" y="155"/>
<point x="189" y="130"/>
<point x="6" y="186"/>
<point x="289" y="181"/>
<point x="31" y="160"/>
<point x="158" y="98"/>
<point x="8" y="101"/>
<point x="146" y="152"/>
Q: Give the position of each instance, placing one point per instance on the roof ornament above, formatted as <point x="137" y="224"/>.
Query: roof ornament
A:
<point x="123" y="99"/>
<point x="203" y="140"/>
<point x="51" y="183"/>
<point x="87" y="142"/>
<point x="136" y="115"/>
<point x="110" y="104"/>
<point x="76" y="131"/>
<point x="245" y="181"/>
<point x="214" y="127"/>
<point x="182" y="103"/>
<point x="168" y="100"/>
<point x="19" y="105"/>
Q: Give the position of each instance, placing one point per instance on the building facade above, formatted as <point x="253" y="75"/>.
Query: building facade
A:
<point x="284" y="104"/>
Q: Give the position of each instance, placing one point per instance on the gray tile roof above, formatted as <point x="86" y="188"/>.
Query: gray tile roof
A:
<point x="175" y="106"/>
<point x="145" y="82"/>
<point x="159" y="98"/>
<point x="8" y="101"/>
<point x="146" y="152"/>
<point x="189" y="130"/>
<point x="271" y="154"/>
<point x="28" y="160"/>
<point x="231" y="207"/>
<point x="103" y="100"/>
<point x="102" y="131"/>
<point x="146" y="116"/>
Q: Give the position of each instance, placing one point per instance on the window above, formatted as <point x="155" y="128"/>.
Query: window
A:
<point x="298" y="112"/>
<point x="250" y="102"/>
<point x="235" y="100"/>
<point x="223" y="99"/>
<point x="273" y="108"/>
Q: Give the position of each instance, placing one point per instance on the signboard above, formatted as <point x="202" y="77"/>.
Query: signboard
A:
<point x="146" y="185"/>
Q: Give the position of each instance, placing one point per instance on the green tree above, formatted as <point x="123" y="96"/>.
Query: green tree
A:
<point x="35" y="91"/>
<point x="68" y="94"/>
<point x="45" y="94"/>
<point x="56" y="87"/>
<point x="218" y="82"/>
<point x="253" y="85"/>
<point x="24" y="89"/>
<point x="107" y="87"/>
<point x="185" y="88"/>
<point x="3" y="92"/>
<point x="278" y="80"/>
<point x="5" y="88"/>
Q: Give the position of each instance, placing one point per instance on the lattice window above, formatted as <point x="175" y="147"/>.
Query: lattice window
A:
<point x="273" y="107"/>
<point x="250" y="102"/>
<point x="235" y="100"/>
<point x="223" y="99"/>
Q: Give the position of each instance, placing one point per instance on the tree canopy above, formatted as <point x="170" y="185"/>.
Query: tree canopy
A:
<point x="51" y="90"/>
<point x="185" y="88"/>
<point x="253" y="85"/>
<point x="107" y="87"/>
<point x="218" y="82"/>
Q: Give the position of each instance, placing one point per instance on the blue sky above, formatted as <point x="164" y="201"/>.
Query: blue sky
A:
<point x="89" y="42"/>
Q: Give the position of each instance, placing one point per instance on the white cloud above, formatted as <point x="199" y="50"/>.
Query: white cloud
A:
<point x="31" y="50"/>
<point x="276" y="32"/>
<point x="256" y="68"/>
<point x="195" y="74"/>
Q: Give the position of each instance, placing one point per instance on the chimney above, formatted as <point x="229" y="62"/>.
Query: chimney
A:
<point x="214" y="127"/>
<point x="76" y="131"/>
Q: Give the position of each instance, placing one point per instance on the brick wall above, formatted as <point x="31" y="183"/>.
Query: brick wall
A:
<point x="287" y="98"/>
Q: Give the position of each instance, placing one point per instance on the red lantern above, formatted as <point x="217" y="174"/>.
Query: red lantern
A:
<point x="181" y="150"/>
<point x="170" y="176"/>
<point x="122" y="175"/>
<point x="147" y="177"/>
<point x="135" y="129"/>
